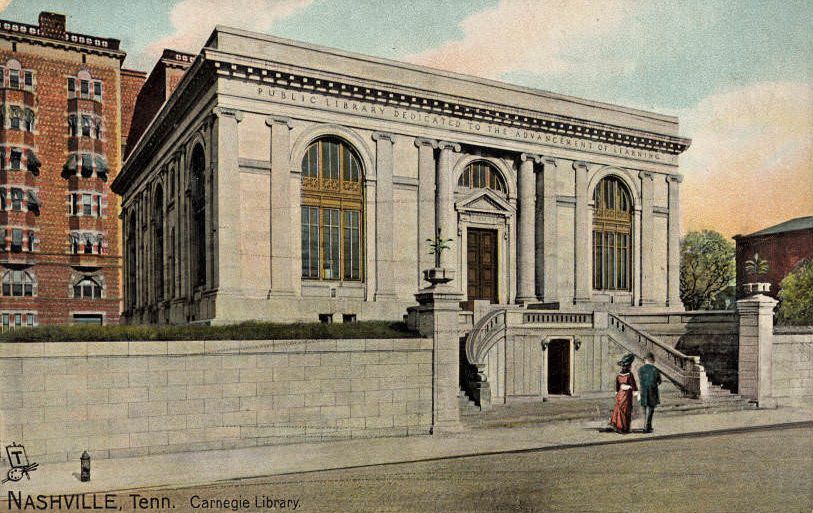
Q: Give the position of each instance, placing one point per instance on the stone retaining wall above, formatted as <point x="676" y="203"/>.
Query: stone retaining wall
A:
<point x="119" y="399"/>
<point x="793" y="366"/>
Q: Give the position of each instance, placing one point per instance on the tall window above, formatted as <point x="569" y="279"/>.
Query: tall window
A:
<point x="158" y="239"/>
<point x="612" y="235"/>
<point x="481" y="175"/>
<point x="332" y="210"/>
<point x="198" y="178"/>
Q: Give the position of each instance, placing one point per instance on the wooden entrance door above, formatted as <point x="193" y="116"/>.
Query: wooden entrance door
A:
<point x="559" y="367"/>
<point x="481" y="257"/>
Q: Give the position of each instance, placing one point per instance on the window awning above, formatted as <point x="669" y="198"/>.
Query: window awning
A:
<point x="33" y="162"/>
<point x="101" y="167"/>
<point x="33" y="200"/>
<point x="70" y="164"/>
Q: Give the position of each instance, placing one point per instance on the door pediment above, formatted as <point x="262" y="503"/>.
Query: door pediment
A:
<point x="485" y="201"/>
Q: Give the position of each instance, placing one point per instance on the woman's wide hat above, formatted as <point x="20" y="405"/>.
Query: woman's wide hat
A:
<point x="627" y="360"/>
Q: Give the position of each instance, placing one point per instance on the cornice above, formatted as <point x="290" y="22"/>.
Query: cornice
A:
<point x="296" y="80"/>
<point x="23" y="32"/>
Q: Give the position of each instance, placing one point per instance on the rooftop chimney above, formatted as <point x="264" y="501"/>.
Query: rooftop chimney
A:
<point x="52" y="25"/>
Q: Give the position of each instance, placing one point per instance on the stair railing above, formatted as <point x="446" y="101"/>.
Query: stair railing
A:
<point x="683" y="369"/>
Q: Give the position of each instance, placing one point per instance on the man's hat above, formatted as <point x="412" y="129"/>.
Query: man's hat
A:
<point x="627" y="360"/>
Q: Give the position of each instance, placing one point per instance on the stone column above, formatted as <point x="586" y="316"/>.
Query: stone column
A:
<point x="547" y="233"/>
<point x="673" y="265"/>
<point x="227" y="201"/>
<point x="526" y="244"/>
<point x="426" y="202"/>
<point x="647" y="236"/>
<point x="438" y="310"/>
<point x="384" y="201"/>
<point x="281" y="220"/>
<point x="444" y="204"/>
<point x="582" y="235"/>
<point x="756" y="349"/>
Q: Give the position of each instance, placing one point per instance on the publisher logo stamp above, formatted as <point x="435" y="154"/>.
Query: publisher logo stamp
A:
<point x="18" y="461"/>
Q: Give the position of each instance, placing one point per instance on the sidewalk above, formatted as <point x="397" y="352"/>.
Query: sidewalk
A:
<point x="188" y="469"/>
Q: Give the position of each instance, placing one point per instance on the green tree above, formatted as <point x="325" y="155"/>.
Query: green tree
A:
<point x="796" y="296"/>
<point x="706" y="271"/>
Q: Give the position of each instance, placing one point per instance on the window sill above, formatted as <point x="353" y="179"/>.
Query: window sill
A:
<point x="332" y="289"/>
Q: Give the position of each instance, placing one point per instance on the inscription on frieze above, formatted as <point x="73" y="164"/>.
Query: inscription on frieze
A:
<point x="428" y="119"/>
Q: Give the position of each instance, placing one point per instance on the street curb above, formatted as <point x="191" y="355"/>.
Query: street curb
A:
<point x="692" y="434"/>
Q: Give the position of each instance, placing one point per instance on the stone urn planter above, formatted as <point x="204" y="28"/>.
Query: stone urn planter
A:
<point x="756" y="288"/>
<point x="438" y="275"/>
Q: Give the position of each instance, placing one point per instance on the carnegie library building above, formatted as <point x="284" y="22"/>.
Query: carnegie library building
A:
<point x="283" y="181"/>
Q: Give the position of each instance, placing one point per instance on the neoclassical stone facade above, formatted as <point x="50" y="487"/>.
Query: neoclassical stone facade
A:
<point x="283" y="181"/>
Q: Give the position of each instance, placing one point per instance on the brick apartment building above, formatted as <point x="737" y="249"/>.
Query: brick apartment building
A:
<point x="64" y="116"/>
<point x="784" y="246"/>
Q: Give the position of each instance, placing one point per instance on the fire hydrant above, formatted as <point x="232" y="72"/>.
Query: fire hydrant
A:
<point x="85" y="459"/>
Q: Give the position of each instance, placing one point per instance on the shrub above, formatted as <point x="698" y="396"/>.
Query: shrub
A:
<point x="796" y="296"/>
<point x="243" y="331"/>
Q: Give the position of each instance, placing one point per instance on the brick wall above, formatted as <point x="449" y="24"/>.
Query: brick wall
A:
<point x="783" y="252"/>
<point x="119" y="399"/>
<point x="131" y="82"/>
<point x="793" y="366"/>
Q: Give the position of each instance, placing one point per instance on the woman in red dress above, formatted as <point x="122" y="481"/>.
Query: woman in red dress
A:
<point x="625" y="385"/>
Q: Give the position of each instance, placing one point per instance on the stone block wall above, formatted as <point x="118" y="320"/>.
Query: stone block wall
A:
<point x="120" y="399"/>
<point x="711" y="335"/>
<point x="793" y="366"/>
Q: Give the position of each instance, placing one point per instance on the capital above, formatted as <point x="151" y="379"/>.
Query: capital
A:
<point x="643" y="175"/>
<point x="524" y="157"/>
<point x="446" y="145"/>
<point x="271" y="121"/>
<point x="223" y="112"/>
<point x="383" y="136"/>
<point x="548" y="161"/>
<point x="674" y="178"/>
<point x="579" y="164"/>
<point x="423" y="141"/>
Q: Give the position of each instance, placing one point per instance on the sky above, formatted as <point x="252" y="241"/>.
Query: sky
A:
<point x="738" y="74"/>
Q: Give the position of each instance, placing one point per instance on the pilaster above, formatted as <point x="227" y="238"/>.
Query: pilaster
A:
<point x="547" y="232"/>
<point x="384" y="199"/>
<point x="444" y="204"/>
<point x="673" y="243"/>
<point x="647" y="236"/>
<point x="426" y="202"/>
<point x="281" y="221"/>
<point x="526" y="265"/>
<point x="582" y="235"/>
<point x="226" y="197"/>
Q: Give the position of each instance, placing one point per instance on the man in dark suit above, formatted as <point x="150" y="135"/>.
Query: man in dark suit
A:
<point x="648" y="380"/>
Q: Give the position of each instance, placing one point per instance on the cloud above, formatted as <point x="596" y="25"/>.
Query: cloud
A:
<point x="4" y="4"/>
<point x="535" y="37"/>
<point x="751" y="161"/>
<point x="194" y="20"/>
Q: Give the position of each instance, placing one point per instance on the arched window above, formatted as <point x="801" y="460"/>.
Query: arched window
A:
<point x="612" y="235"/>
<point x="332" y="211"/>
<point x="19" y="283"/>
<point x="132" y="268"/>
<point x="481" y="175"/>
<point x="88" y="287"/>
<point x="198" y="185"/>
<point x="158" y="242"/>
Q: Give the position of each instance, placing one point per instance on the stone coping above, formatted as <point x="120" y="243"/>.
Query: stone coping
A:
<point x="792" y="330"/>
<point x="207" y="347"/>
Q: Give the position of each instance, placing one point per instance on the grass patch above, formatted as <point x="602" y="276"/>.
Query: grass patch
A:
<point x="243" y="331"/>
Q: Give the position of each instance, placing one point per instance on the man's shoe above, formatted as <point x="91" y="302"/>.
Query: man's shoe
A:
<point x="648" y="430"/>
